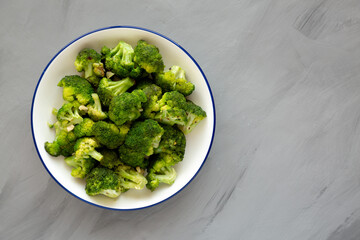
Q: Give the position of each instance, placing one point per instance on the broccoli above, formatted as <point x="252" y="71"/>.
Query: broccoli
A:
<point x="84" y="129"/>
<point x="94" y="110"/>
<point x="153" y="94"/>
<point x="85" y="148"/>
<point x="130" y="178"/>
<point x="108" y="89"/>
<point x="76" y="88"/>
<point x="64" y="141"/>
<point x="132" y="157"/>
<point x="194" y="115"/>
<point x="81" y="166"/>
<point x="119" y="60"/>
<point x="69" y="112"/>
<point x="144" y="136"/>
<point x="126" y="107"/>
<point x="148" y="57"/>
<point x="110" y="159"/>
<point x="171" y="111"/>
<point x="174" y="80"/>
<point x="103" y="181"/>
<point x="164" y="174"/>
<point x="173" y="142"/>
<point x="89" y="60"/>
<point x="109" y="135"/>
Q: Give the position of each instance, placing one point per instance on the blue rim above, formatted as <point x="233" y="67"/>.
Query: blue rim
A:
<point x="143" y="29"/>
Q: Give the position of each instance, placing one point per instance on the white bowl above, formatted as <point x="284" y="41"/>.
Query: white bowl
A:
<point x="48" y="95"/>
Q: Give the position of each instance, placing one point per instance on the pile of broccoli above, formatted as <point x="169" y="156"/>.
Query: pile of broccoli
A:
<point x="123" y="122"/>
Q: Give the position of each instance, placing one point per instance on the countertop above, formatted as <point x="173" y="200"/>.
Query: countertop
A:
<point x="285" y="162"/>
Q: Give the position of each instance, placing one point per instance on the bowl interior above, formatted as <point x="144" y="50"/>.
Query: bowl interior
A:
<point x="48" y="95"/>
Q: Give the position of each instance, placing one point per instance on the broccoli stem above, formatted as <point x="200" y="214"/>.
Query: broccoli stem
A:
<point x="96" y="155"/>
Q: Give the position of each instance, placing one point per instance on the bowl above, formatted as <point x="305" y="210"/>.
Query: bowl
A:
<point x="48" y="95"/>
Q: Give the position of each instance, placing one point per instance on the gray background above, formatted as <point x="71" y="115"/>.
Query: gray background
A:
<point x="285" y="161"/>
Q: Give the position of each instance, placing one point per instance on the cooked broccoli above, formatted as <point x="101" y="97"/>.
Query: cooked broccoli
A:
<point x="89" y="60"/>
<point x="119" y="60"/>
<point x="173" y="142"/>
<point x="84" y="129"/>
<point x="148" y="57"/>
<point x="174" y="80"/>
<point x="109" y="135"/>
<point x="126" y="107"/>
<point x="110" y="159"/>
<point x="171" y="111"/>
<point x="76" y="88"/>
<point x="144" y="136"/>
<point x="69" y="112"/>
<point x="194" y="115"/>
<point x="103" y="181"/>
<point x="153" y="94"/>
<point x="108" y="89"/>
<point x="130" y="178"/>
<point x="64" y="141"/>
<point x="132" y="157"/>
<point x="165" y="174"/>
<point x="81" y="166"/>
<point x="85" y="148"/>
<point x="94" y="110"/>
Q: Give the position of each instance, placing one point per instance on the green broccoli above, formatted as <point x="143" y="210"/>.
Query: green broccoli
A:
<point x="153" y="94"/>
<point x="76" y="88"/>
<point x="173" y="142"/>
<point x="130" y="178"/>
<point x="119" y="60"/>
<point x="108" y="89"/>
<point x="174" y="80"/>
<point x="94" y="110"/>
<point x="109" y="135"/>
<point x="84" y="129"/>
<point x="126" y="107"/>
<point x="164" y="174"/>
<point x="85" y="148"/>
<point x="148" y="57"/>
<point x="110" y="158"/>
<point x="132" y="157"/>
<point x="103" y="181"/>
<point x="194" y="115"/>
<point x="89" y="60"/>
<point x="171" y="111"/>
<point x="69" y="112"/>
<point x="144" y="136"/>
<point x="64" y="141"/>
<point x="81" y="166"/>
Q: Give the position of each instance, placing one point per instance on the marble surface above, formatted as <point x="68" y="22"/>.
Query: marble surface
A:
<point x="285" y="161"/>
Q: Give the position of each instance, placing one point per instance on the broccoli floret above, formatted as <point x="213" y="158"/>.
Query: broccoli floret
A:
<point x="103" y="181"/>
<point x="109" y="135"/>
<point x="110" y="158"/>
<point x="130" y="178"/>
<point x="89" y="60"/>
<point x="69" y="112"/>
<point x="173" y="142"/>
<point x="119" y="60"/>
<point x="64" y="141"/>
<point x="94" y="110"/>
<point x="85" y="148"/>
<point x="166" y="174"/>
<point x="194" y="115"/>
<point x="153" y="94"/>
<point x="174" y="80"/>
<point x="132" y="157"/>
<point x="171" y="111"/>
<point x="81" y="166"/>
<point x="108" y="89"/>
<point x="144" y="136"/>
<point x="84" y="129"/>
<point x="126" y="107"/>
<point x="76" y="88"/>
<point x="148" y="57"/>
